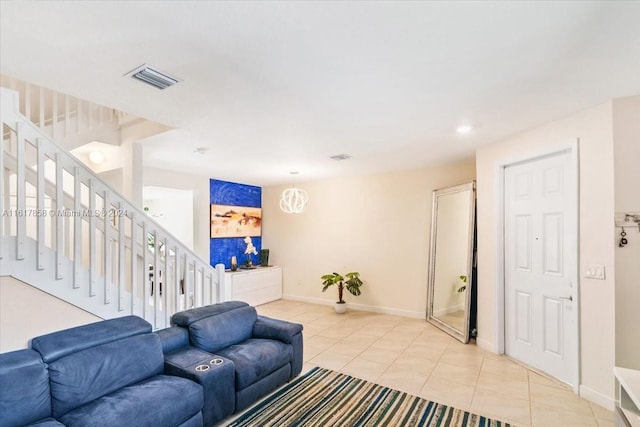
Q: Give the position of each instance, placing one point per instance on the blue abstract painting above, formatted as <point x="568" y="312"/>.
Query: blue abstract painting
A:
<point x="233" y="194"/>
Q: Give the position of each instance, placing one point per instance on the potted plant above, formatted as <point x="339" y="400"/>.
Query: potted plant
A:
<point x="350" y="280"/>
<point x="463" y="283"/>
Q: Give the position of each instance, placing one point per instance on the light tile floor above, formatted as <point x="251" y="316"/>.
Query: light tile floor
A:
<point x="413" y="356"/>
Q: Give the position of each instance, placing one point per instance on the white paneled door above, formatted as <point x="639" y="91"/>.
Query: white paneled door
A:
<point x="541" y="298"/>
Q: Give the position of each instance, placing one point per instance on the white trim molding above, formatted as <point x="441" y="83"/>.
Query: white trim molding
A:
<point x="361" y="307"/>
<point x="597" y="397"/>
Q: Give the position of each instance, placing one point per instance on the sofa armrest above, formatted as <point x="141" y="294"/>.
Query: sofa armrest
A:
<point x="216" y="375"/>
<point x="173" y="338"/>
<point x="266" y="327"/>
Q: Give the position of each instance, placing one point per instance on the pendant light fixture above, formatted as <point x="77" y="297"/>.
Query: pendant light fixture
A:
<point x="293" y="200"/>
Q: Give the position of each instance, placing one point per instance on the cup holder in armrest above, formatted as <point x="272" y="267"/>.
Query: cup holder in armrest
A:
<point x="202" y="368"/>
<point x="217" y="361"/>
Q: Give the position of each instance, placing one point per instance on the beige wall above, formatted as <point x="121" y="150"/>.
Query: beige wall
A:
<point x="200" y="187"/>
<point x="113" y="178"/>
<point x="19" y="321"/>
<point x="626" y="136"/>
<point x="378" y="225"/>
<point x="593" y="127"/>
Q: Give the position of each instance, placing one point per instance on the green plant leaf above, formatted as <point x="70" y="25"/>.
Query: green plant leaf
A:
<point x="352" y="283"/>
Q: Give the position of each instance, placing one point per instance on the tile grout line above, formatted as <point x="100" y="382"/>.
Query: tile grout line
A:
<point x="401" y="353"/>
<point x="530" y="405"/>
<point x="317" y="315"/>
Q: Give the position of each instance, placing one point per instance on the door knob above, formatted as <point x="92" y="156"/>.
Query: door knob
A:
<point x="570" y="298"/>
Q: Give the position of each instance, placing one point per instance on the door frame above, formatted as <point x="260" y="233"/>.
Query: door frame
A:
<point x="572" y="148"/>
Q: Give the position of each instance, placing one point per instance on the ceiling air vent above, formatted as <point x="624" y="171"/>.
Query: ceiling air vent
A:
<point x="152" y="77"/>
<point x="339" y="157"/>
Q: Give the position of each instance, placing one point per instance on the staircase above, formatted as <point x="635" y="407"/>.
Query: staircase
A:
<point x="66" y="232"/>
<point x="68" y="120"/>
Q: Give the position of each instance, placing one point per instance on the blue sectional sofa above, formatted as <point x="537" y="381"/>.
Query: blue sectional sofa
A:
<point x="25" y="396"/>
<point x="262" y="353"/>
<point x="216" y="361"/>
<point x="105" y="373"/>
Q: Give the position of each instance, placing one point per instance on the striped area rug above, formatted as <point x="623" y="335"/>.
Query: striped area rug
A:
<point x="326" y="398"/>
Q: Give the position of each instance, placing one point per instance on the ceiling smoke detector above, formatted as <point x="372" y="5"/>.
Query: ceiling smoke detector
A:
<point x="152" y="77"/>
<point x="339" y="157"/>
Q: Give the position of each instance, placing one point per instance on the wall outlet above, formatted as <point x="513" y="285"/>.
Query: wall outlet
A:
<point x="594" y="272"/>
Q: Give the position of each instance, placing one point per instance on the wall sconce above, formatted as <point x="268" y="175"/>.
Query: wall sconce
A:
<point x="293" y="200"/>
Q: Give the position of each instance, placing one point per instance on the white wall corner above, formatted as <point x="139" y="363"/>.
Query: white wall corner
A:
<point x="591" y="395"/>
<point x="487" y="345"/>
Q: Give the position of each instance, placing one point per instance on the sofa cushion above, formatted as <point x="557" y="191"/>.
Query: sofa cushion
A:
<point x="187" y="317"/>
<point x="266" y="327"/>
<point x="24" y="388"/>
<point x="173" y="338"/>
<point x="89" y="374"/>
<point x="158" y="401"/>
<point x="249" y="395"/>
<point x="256" y="358"/>
<point x="222" y="330"/>
<point x="195" y="421"/>
<point x="47" y="422"/>
<point x="59" y="344"/>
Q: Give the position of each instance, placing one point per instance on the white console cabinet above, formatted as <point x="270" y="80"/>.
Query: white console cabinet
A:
<point x="256" y="286"/>
<point x="628" y="407"/>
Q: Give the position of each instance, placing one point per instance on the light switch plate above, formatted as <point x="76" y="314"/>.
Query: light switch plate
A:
<point x="594" y="272"/>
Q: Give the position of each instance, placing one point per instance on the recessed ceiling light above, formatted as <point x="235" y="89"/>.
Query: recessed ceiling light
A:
<point x="201" y="150"/>
<point x="464" y="129"/>
<point x="339" y="157"/>
<point x="96" y="157"/>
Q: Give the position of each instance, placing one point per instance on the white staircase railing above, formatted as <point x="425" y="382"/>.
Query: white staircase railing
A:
<point x="63" y="117"/>
<point x="68" y="233"/>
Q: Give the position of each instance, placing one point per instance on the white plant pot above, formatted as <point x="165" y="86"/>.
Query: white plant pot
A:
<point x="341" y="308"/>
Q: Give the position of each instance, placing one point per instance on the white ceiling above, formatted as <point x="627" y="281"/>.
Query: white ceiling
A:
<point x="271" y="87"/>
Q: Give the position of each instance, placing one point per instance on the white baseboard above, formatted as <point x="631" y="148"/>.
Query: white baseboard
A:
<point x="361" y="307"/>
<point x="597" y="397"/>
<point x="307" y="299"/>
<point x="448" y="310"/>
<point x="486" y="345"/>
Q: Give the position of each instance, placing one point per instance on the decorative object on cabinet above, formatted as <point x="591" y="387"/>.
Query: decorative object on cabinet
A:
<point x="351" y="281"/>
<point x="250" y="250"/>
<point x="235" y="221"/>
<point x="264" y="257"/>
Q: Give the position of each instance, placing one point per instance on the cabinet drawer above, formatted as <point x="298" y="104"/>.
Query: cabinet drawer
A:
<point x="255" y="287"/>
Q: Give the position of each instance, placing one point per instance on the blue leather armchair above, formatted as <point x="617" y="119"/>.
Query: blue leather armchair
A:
<point x="262" y="353"/>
